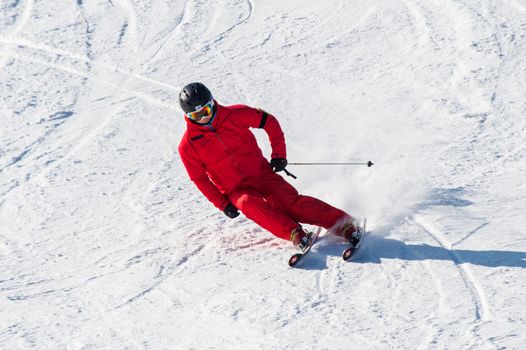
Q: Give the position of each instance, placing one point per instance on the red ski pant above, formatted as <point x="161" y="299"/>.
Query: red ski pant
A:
<point x="275" y="205"/>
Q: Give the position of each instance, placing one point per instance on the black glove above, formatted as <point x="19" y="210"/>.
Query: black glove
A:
<point x="278" y="164"/>
<point x="231" y="211"/>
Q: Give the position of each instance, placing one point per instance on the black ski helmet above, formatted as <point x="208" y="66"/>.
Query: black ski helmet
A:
<point x="194" y="96"/>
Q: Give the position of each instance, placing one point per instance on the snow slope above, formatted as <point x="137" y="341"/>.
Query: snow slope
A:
<point x="105" y="243"/>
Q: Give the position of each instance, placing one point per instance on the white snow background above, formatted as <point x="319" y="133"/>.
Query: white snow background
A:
<point x="106" y="244"/>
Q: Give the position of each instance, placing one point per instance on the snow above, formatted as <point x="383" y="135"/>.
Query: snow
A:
<point x="105" y="243"/>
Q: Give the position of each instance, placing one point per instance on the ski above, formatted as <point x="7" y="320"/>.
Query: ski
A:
<point x="348" y="252"/>
<point x="298" y="257"/>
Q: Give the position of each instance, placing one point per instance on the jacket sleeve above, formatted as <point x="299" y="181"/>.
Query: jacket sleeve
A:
<point x="197" y="173"/>
<point x="258" y="118"/>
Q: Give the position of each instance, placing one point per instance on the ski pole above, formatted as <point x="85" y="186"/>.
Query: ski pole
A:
<point x="290" y="174"/>
<point x="369" y="163"/>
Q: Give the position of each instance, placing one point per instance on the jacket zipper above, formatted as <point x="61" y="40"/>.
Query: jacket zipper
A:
<point x="227" y="151"/>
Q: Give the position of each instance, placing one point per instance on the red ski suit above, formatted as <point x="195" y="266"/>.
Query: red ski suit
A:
<point x="226" y="164"/>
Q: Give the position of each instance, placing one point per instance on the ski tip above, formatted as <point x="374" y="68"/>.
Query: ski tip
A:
<point x="347" y="253"/>
<point x="295" y="259"/>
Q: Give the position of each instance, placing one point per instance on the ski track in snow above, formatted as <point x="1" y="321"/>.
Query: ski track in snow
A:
<point x="235" y="26"/>
<point x="67" y="69"/>
<point x="89" y="135"/>
<point x="22" y="45"/>
<point x="25" y="50"/>
<point x="482" y="309"/>
<point x="171" y="33"/>
<point x="130" y="26"/>
<point x="18" y="27"/>
<point x="26" y="15"/>
<point x="474" y="287"/>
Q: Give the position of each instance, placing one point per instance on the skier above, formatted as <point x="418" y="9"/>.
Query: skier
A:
<point x="223" y="159"/>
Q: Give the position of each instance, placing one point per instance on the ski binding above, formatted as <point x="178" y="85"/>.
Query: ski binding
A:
<point x="298" y="257"/>
<point x="348" y="252"/>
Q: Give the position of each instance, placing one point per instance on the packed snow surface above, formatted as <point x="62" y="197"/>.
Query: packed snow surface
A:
<point x="106" y="244"/>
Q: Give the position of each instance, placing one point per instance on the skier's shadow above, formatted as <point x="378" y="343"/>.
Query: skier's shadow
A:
<point x="376" y="248"/>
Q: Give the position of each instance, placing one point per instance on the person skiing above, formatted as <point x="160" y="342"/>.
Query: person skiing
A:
<point x="223" y="159"/>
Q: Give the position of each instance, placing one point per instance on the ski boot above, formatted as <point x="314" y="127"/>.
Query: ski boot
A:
<point x="304" y="241"/>
<point x="301" y="239"/>
<point x="351" y="232"/>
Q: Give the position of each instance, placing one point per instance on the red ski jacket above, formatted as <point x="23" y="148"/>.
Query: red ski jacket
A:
<point x="222" y="154"/>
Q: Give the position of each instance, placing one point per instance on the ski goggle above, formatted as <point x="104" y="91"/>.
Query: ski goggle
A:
<point x="203" y="112"/>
